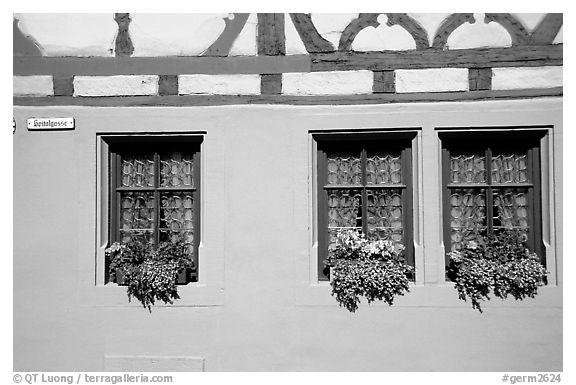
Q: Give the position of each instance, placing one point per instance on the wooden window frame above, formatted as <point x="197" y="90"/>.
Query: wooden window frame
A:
<point x="364" y="142"/>
<point x="155" y="145"/>
<point x="487" y="141"/>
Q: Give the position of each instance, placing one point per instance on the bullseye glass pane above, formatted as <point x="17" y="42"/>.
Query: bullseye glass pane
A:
<point x="177" y="217"/>
<point x="467" y="216"/>
<point x="509" y="168"/>
<point x="384" y="209"/>
<point x="511" y="208"/>
<point x="137" y="170"/>
<point x="383" y="168"/>
<point x="344" y="168"/>
<point x="137" y="215"/>
<point x="176" y="169"/>
<point x="467" y="168"/>
<point x="344" y="211"/>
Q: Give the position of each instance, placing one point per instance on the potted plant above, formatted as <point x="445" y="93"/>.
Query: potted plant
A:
<point x="149" y="273"/>
<point x="500" y="264"/>
<point x="372" y="268"/>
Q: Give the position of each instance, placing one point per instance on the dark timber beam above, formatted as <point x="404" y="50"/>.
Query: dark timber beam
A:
<point x="547" y="29"/>
<point x="480" y="79"/>
<point x="223" y="45"/>
<point x="63" y="85"/>
<point x="271" y="84"/>
<point x="365" y="20"/>
<point x="168" y="85"/>
<point x="172" y="65"/>
<point x="513" y="26"/>
<point x="313" y="41"/>
<point x="384" y="82"/>
<point x="271" y="39"/>
<point x="123" y="44"/>
<point x="524" y="56"/>
<point x="212" y="100"/>
<point x="449" y="25"/>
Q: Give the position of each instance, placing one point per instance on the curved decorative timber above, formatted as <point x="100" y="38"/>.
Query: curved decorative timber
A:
<point x="448" y="26"/>
<point x="513" y="26"/>
<point x="23" y="45"/>
<point x="223" y="44"/>
<point x="313" y="41"/>
<point x="412" y="26"/>
<point x="547" y="29"/>
<point x="123" y="44"/>
<point x="365" y="20"/>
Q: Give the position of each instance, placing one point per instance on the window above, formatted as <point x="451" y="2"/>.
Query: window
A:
<point x="155" y="191"/>
<point x="364" y="183"/>
<point x="491" y="182"/>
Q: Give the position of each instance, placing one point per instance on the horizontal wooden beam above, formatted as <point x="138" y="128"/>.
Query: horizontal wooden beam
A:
<point x="170" y="65"/>
<point x="214" y="100"/>
<point x="522" y="56"/>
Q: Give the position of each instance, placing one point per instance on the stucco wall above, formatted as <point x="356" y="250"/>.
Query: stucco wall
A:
<point x="258" y="305"/>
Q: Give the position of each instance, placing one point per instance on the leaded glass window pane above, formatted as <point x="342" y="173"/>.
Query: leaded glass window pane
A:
<point x="383" y="168"/>
<point x="385" y="219"/>
<point x="467" y="168"/>
<point x="176" y="169"/>
<point x="467" y="216"/>
<point x="344" y="168"/>
<point x="177" y="217"/>
<point x="138" y="170"/>
<point x="511" y="208"/>
<point x="137" y="215"/>
<point x="509" y="168"/>
<point x="344" y="211"/>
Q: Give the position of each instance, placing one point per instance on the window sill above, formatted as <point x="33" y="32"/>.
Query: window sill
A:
<point x="425" y="296"/>
<point x="191" y="295"/>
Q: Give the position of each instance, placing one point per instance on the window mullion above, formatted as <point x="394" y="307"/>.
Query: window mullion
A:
<point x="489" y="197"/>
<point x="530" y="193"/>
<point x="156" y="199"/>
<point x="364" y="193"/>
<point x="116" y="178"/>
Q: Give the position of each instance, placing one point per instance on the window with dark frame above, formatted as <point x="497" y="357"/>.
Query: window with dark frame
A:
<point x="364" y="183"/>
<point x="491" y="183"/>
<point x="155" y="192"/>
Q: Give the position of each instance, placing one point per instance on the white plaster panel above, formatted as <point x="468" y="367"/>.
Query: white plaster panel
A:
<point x="432" y="80"/>
<point x="162" y="34"/>
<point x="115" y="85"/>
<point x="328" y="83"/>
<point x="430" y="22"/>
<point x="479" y="34"/>
<point x="219" y="84"/>
<point x="245" y="43"/>
<point x="69" y="34"/>
<point x="331" y="25"/>
<point x="521" y="78"/>
<point x="32" y="86"/>
<point x="294" y="44"/>
<point x="383" y="37"/>
<point x="529" y="20"/>
<point x="558" y="38"/>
